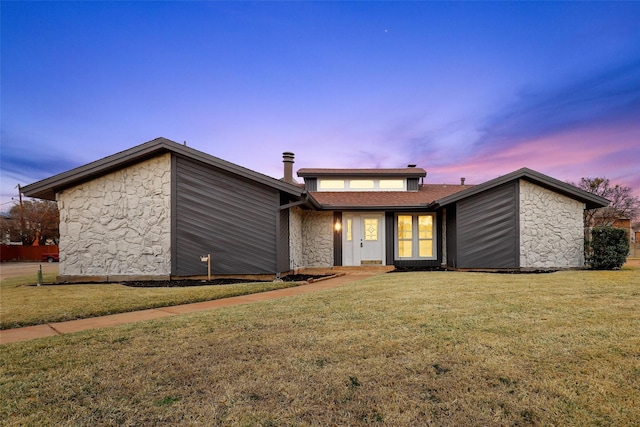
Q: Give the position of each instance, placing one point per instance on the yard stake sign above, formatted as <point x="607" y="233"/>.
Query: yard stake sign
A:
<point x="207" y="259"/>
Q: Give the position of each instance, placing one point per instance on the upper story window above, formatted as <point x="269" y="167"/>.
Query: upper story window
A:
<point x="392" y="184"/>
<point x="331" y="184"/>
<point x="363" y="179"/>
<point x="359" y="184"/>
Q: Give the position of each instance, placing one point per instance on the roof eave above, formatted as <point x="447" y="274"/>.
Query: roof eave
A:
<point x="47" y="188"/>
<point x="408" y="174"/>
<point x="280" y="185"/>
<point x="591" y="200"/>
<point x="373" y="208"/>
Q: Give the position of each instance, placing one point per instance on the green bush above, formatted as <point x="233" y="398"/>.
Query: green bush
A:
<point x="609" y="248"/>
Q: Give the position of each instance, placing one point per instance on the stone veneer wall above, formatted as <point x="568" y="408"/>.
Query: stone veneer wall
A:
<point x="317" y="239"/>
<point x="296" y="215"/>
<point x="551" y="229"/>
<point x="118" y="224"/>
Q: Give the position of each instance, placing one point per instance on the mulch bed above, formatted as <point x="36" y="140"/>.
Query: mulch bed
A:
<point x="189" y="282"/>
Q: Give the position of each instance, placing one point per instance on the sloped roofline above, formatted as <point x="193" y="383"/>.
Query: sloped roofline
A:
<point x="397" y="172"/>
<point x="47" y="188"/>
<point x="590" y="200"/>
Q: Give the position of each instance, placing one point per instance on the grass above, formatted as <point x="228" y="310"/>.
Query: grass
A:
<point x="403" y="349"/>
<point x="22" y="305"/>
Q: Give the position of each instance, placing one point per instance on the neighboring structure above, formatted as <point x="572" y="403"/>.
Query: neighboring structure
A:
<point x="153" y="210"/>
<point x="634" y="249"/>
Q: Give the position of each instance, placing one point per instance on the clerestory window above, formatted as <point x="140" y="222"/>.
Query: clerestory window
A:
<point x="361" y="184"/>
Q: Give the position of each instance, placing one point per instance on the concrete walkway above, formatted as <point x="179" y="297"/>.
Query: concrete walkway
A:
<point x="58" y="328"/>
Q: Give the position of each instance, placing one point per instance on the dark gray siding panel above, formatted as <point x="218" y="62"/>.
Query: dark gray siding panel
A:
<point x="174" y="214"/>
<point x="283" y="242"/>
<point x="311" y="184"/>
<point x="337" y="241"/>
<point x="452" y="236"/>
<point x="412" y="184"/>
<point x="389" y="222"/>
<point x="231" y="218"/>
<point x="487" y="227"/>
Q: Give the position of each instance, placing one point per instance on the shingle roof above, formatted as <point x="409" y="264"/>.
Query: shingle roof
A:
<point x="426" y="195"/>
<point x="403" y="172"/>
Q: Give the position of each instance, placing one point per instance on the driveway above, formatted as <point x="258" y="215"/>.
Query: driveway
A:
<point x="15" y="269"/>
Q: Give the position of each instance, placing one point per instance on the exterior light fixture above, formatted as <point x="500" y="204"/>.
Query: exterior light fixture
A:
<point x="338" y="226"/>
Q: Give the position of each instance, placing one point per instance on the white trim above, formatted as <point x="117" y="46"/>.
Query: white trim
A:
<point x="378" y="184"/>
<point x="351" y="250"/>
<point x="414" y="239"/>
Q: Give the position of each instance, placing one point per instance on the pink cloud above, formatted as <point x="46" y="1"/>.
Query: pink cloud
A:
<point x="612" y="152"/>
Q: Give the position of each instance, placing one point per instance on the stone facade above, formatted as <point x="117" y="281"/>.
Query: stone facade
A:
<point x="296" y="216"/>
<point x="118" y="224"/>
<point x="551" y="229"/>
<point x="317" y="238"/>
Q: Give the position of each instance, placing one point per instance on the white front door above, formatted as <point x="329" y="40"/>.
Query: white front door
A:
<point x="363" y="239"/>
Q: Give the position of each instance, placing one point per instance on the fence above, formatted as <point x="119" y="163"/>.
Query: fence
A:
<point x="25" y="253"/>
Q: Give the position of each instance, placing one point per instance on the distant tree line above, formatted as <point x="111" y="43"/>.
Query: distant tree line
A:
<point x="31" y="222"/>
<point x="624" y="205"/>
<point x="607" y="247"/>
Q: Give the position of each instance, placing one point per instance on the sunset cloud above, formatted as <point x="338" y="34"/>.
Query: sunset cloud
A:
<point x="473" y="89"/>
<point x="606" y="97"/>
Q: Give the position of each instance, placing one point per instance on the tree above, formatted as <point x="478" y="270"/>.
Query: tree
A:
<point x="623" y="204"/>
<point x="34" y="220"/>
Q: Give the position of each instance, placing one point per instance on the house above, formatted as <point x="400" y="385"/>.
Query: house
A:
<point x="153" y="210"/>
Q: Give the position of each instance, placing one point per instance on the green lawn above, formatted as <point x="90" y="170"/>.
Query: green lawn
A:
<point x="22" y="304"/>
<point x="401" y="349"/>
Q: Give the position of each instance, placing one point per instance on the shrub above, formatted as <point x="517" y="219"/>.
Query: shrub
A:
<point x="609" y="248"/>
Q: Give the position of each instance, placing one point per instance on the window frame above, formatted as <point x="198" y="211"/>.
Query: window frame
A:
<point x="415" y="237"/>
<point x="332" y="184"/>
<point x="340" y="184"/>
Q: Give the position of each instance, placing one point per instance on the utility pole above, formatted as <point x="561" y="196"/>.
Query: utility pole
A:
<point x="22" y="227"/>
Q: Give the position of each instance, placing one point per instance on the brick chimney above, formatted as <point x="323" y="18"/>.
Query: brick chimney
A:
<point x="287" y="159"/>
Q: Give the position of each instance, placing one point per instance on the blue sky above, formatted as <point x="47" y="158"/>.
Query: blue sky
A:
<point x="473" y="89"/>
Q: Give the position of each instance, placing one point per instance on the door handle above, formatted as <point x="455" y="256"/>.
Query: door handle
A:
<point x="360" y="242"/>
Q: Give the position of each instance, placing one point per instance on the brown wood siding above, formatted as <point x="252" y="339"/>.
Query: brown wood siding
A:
<point x="487" y="229"/>
<point x="232" y="218"/>
<point x="26" y="253"/>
